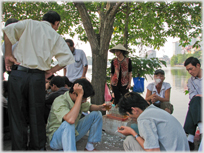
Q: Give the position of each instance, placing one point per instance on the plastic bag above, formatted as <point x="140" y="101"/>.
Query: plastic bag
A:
<point x="138" y="84"/>
<point x="107" y="94"/>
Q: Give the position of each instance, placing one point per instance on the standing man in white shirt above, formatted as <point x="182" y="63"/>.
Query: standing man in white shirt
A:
<point x="79" y="68"/>
<point x="30" y="65"/>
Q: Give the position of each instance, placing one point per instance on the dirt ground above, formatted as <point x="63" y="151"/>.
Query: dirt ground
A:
<point x="109" y="142"/>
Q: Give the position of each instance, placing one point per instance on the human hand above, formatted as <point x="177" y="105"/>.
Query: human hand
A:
<point x="153" y="98"/>
<point x="125" y="130"/>
<point x="48" y="74"/>
<point x="198" y="95"/>
<point x="128" y="86"/>
<point x="9" y="62"/>
<point x="78" y="89"/>
<point x="106" y="106"/>
<point x="47" y="85"/>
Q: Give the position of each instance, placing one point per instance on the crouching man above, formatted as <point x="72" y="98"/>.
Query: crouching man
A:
<point x="159" y="131"/>
<point x="65" y="128"/>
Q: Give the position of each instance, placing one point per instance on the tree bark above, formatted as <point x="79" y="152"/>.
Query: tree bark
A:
<point x="125" y="41"/>
<point x="99" y="49"/>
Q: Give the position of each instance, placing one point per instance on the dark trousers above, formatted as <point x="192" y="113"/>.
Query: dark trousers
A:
<point x="193" y="116"/>
<point x="26" y="101"/>
<point x="118" y="91"/>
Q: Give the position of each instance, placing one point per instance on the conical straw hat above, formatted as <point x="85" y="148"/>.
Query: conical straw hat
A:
<point x="119" y="47"/>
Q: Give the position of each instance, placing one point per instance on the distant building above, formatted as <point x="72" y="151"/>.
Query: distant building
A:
<point x="176" y="48"/>
<point x="165" y="58"/>
<point x="190" y="49"/>
<point x="151" y="54"/>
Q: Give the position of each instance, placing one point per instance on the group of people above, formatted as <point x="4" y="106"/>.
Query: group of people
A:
<point x="158" y="129"/>
<point x="31" y="74"/>
<point x="29" y="66"/>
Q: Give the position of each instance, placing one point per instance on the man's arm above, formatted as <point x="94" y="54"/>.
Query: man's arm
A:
<point x="129" y="131"/>
<point x="72" y="115"/>
<point x="94" y="107"/>
<point x="149" y="95"/>
<point x="130" y="78"/>
<point x="165" y="99"/>
<point x="54" y="69"/>
<point x="65" y="71"/>
<point x="191" y="89"/>
<point x="9" y="58"/>
<point x="85" y="68"/>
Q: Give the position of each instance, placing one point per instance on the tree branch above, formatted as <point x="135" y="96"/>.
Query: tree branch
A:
<point x="87" y="24"/>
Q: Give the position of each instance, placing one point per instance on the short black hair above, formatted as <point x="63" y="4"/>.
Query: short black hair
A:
<point x="67" y="82"/>
<point x="58" y="81"/>
<point x="191" y="60"/>
<point x="11" y="20"/>
<point x="70" y="42"/>
<point x="51" y="16"/>
<point x="86" y="85"/>
<point x="131" y="99"/>
<point x="50" y="77"/>
<point x="159" y="71"/>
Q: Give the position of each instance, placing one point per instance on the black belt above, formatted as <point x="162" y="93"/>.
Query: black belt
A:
<point x="21" y="68"/>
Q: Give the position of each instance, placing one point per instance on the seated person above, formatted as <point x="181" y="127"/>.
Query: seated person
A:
<point x="47" y="85"/>
<point x="68" y="84"/>
<point x="194" y="114"/>
<point x="159" y="131"/>
<point x="57" y="85"/>
<point x="64" y="127"/>
<point x="158" y="92"/>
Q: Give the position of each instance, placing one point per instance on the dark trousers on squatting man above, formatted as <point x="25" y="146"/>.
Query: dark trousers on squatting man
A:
<point x="193" y="116"/>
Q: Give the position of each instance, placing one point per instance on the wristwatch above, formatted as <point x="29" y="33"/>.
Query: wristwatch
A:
<point x="137" y="135"/>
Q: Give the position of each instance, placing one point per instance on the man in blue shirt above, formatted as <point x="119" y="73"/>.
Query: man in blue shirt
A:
<point x="193" y="117"/>
<point x="79" y="68"/>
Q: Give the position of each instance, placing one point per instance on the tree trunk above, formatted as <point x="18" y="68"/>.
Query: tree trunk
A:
<point x="125" y="41"/>
<point x="99" y="46"/>
<point x="99" y="64"/>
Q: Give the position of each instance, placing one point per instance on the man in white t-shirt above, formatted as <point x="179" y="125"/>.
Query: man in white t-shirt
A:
<point x="158" y="92"/>
<point x="79" y="68"/>
<point x="159" y="131"/>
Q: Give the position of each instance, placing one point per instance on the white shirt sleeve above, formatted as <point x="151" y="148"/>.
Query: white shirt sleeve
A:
<point x="148" y="131"/>
<point x="15" y="30"/>
<point x="62" y="53"/>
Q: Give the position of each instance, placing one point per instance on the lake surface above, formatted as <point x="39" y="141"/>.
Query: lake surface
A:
<point x="178" y="78"/>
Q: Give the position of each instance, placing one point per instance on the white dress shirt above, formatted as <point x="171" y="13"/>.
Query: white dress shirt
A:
<point x="38" y="43"/>
<point x="164" y="87"/>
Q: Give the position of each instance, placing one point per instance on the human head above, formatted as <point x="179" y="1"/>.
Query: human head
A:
<point x="57" y="82"/>
<point x="70" y="43"/>
<point x="53" y="18"/>
<point x="67" y="82"/>
<point x="119" y="48"/>
<point x="131" y="100"/>
<point x="159" y="76"/>
<point x="11" y="20"/>
<point x="86" y="85"/>
<point x="192" y="65"/>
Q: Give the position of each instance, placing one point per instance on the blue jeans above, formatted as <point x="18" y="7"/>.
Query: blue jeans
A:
<point x="64" y="137"/>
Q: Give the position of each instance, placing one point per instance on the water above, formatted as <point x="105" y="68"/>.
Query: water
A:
<point x="178" y="78"/>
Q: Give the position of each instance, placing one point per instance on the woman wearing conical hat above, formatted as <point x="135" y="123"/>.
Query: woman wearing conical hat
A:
<point x="121" y="72"/>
